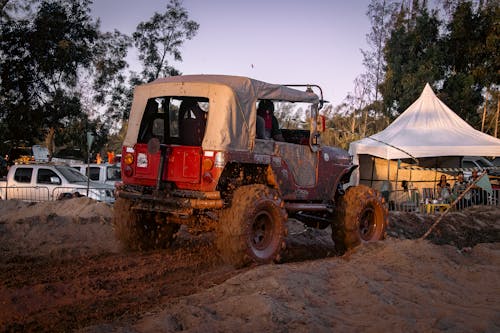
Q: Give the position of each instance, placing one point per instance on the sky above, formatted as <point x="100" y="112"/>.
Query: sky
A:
<point x="276" y="41"/>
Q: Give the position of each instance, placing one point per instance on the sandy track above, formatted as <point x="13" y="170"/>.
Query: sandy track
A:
<point x="62" y="270"/>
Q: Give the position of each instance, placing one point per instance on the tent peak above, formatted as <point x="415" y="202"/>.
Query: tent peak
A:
<point x="428" y="90"/>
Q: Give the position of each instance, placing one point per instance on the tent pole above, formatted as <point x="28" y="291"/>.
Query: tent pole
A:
<point x="435" y="175"/>
<point x="373" y="168"/>
<point x="388" y="171"/>
<point x="397" y="174"/>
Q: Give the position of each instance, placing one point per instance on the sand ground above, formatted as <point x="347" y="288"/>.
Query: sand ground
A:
<point x="61" y="270"/>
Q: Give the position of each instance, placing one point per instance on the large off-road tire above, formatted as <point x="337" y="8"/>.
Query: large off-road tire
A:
<point x="141" y="231"/>
<point x="253" y="228"/>
<point x="361" y="217"/>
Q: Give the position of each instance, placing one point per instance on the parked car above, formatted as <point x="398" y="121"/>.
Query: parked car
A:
<point x="480" y="163"/>
<point x="102" y="173"/>
<point x="44" y="182"/>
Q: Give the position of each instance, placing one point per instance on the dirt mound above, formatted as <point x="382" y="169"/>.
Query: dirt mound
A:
<point x="390" y="286"/>
<point x="466" y="228"/>
<point x="78" y="226"/>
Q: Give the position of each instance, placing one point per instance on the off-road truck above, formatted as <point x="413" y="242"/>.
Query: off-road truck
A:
<point x="191" y="157"/>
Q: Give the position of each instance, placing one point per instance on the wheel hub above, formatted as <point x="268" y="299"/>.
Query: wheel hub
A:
<point x="367" y="224"/>
<point x="262" y="231"/>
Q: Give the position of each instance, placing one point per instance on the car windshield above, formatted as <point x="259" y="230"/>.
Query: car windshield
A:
<point x="71" y="174"/>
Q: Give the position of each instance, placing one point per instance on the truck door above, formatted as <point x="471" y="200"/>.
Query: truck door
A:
<point x="46" y="183"/>
<point x="20" y="187"/>
<point x="301" y="161"/>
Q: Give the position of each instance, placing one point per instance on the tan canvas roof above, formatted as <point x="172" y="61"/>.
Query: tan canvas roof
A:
<point x="231" y="114"/>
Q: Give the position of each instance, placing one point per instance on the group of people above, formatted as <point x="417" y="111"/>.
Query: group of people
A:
<point x="447" y="193"/>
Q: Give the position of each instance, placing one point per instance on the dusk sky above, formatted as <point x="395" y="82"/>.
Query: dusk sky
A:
<point x="277" y="41"/>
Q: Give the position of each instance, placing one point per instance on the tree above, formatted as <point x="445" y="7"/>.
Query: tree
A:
<point x="51" y="49"/>
<point x="381" y="15"/>
<point x="162" y="36"/>
<point x="109" y="77"/>
<point x="413" y="57"/>
<point x="472" y="64"/>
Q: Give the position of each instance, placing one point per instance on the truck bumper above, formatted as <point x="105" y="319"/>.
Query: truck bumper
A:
<point x="179" y="200"/>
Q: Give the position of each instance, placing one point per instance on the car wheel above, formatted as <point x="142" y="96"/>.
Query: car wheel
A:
<point x="253" y="228"/>
<point x="361" y="216"/>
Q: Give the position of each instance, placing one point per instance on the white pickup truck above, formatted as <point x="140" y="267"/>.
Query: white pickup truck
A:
<point x="43" y="182"/>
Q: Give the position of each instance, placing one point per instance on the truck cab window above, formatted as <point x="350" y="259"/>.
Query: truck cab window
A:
<point x="94" y="173"/>
<point x="44" y="175"/>
<point x="23" y="175"/>
<point x="174" y="120"/>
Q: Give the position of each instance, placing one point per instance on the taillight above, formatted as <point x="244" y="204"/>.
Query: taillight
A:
<point x="220" y="159"/>
<point x="128" y="171"/>
<point x="208" y="164"/>
<point x="128" y="159"/>
<point x="207" y="177"/>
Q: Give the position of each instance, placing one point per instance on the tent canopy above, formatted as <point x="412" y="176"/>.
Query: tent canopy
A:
<point x="428" y="128"/>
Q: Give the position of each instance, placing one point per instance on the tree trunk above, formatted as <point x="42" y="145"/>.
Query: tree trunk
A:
<point x="50" y="142"/>
<point x="496" y="117"/>
<point x="484" y="111"/>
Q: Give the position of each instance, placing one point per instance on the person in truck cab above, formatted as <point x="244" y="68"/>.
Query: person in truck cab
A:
<point x="192" y="122"/>
<point x="267" y="123"/>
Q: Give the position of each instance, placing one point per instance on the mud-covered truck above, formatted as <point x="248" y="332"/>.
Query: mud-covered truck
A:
<point x="191" y="156"/>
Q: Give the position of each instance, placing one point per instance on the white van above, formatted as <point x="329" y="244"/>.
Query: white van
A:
<point x="102" y="173"/>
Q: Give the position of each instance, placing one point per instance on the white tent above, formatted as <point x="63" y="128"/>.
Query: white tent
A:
<point x="428" y="128"/>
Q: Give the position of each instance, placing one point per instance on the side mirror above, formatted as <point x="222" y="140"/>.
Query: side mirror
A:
<point x="55" y="180"/>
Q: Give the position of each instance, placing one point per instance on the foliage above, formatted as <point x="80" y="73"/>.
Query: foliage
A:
<point x="459" y="56"/>
<point x="472" y="46"/>
<point x="41" y="56"/>
<point x="109" y="76"/>
<point x="413" y="57"/>
<point x="162" y="36"/>
<point x="61" y="76"/>
<point x="381" y="16"/>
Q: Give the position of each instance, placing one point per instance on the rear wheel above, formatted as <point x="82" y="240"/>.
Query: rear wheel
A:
<point x="361" y="217"/>
<point x="141" y="231"/>
<point x="253" y="228"/>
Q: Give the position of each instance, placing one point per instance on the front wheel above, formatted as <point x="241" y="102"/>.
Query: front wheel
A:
<point x="361" y="217"/>
<point x="253" y="228"/>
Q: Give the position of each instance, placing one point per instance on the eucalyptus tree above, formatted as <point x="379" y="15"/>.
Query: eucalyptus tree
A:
<point x="162" y="37"/>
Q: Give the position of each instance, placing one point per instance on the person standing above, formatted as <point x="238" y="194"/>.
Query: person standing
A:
<point x="459" y="187"/>
<point x="444" y="189"/>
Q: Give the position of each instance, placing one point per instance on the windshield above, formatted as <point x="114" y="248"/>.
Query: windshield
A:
<point x="71" y="174"/>
<point x="293" y="115"/>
